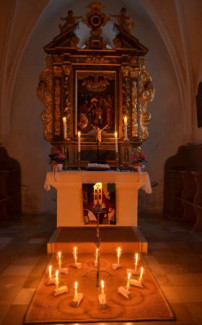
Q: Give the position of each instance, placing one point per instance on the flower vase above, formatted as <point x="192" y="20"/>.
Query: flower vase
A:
<point x="59" y="167"/>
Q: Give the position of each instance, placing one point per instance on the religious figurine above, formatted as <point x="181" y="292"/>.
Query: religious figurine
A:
<point x="98" y="131"/>
<point x="124" y="21"/>
<point x="71" y="20"/>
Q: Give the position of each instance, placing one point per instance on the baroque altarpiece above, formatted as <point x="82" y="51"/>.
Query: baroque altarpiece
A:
<point x="93" y="84"/>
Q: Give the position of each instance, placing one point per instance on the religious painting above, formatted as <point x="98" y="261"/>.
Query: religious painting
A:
<point x="99" y="205"/>
<point x="95" y="101"/>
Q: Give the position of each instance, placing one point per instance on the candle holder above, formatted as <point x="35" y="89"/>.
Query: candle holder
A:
<point x="117" y="162"/>
<point x="79" y="160"/>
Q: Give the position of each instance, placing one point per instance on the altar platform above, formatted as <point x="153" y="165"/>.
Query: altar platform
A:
<point x="129" y="239"/>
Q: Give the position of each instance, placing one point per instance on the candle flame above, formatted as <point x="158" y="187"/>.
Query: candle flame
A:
<point x="141" y="273"/>
<point x="125" y="119"/>
<point x="64" y="119"/>
<point x="79" y="134"/>
<point x="119" y="250"/>
<point x="76" y="285"/>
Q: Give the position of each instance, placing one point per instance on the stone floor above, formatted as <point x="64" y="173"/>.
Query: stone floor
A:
<point x="175" y="258"/>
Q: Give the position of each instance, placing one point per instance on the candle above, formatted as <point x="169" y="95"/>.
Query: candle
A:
<point x="128" y="281"/>
<point x="75" y="254"/>
<point x="116" y="142"/>
<point x="125" y="127"/>
<point x="102" y="287"/>
<point x="50" y="272"/>
<point x="75" y="290"/>
<point x="96" y="256"/>
<point x="57" y="278"/>
<point x="59" y="255"/>
<point x="137" y="257"/>
<point x="141" y="274"/>
<point x="119" y="250"/>
<point x="64" y="119"/>
<point x="79" y="141"/>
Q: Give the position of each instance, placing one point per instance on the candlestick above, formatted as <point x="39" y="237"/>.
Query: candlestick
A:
<point x="96" y="256"/>
<point x="75" y="254"/>
<point x="128" y="281"/>
<point x="116" y="142"/>
<point x="76" y="290"/>
<point x="59" y="256"/>
<point x="125" y="128"/>
<point x="64" y="127"/>
<point x="57" y="278"/>
<point x="79" y="141"/>
<point x="141" y="274"/>
<point x="119" y="250"/>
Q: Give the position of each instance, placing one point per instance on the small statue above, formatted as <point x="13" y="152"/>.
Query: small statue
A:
<point x="71" y="20"/>
<point x="124" y="21"/>
<point x="98" y="131"/>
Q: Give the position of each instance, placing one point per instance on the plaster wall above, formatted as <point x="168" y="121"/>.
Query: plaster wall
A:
<point x="25" y="141"/>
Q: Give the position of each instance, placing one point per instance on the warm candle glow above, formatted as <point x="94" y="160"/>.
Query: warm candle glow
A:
<point x="79" y="141"/>
<point x="116" y="142"/>
<point x="141" y="274"/>
<point x="59" y="255"/>
<point x="125" y="127"/>
<point x="128" y="280"/>
<point x="98" y="194"/>
<point x="75" y="254"/>
<point x="57" y="278"/>
<point x="102" y="286"/>
<point x="76" y="290"/>
<point x="137" y="258"/>
<point x="119" y="250"/>
<point x="50" y="272"/>
<point x="64" y="127"/>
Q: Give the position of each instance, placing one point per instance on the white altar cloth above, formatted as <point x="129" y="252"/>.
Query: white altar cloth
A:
<point x="69" y="194"/>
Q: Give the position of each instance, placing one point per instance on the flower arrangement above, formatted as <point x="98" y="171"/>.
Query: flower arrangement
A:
<point x="57" y="157"/>
<point x="138" y="158"/>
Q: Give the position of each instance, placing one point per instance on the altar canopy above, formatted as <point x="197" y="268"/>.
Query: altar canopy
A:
<point x="69" y="194"/>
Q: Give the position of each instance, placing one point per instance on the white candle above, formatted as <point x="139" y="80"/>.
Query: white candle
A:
<point x="75" y="254"/>
<point x="116" y="142"/>
<point x="75" y="290"/>
<point x="59" y="255"/>
<point x="128" y="281"/>
<point x="57" y="278"/>
<point x="50" y="272"/>
<point x="119" y="250"/>
<point x="141" y="274"/>
<point x="137" y="257"/>
<point x="102" y="287"/>
<point x="79" y="141"/>
<point x="125" y="127"/>
<point x="64" y="119"/>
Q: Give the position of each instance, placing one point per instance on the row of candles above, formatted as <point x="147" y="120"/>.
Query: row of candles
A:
<point x="54" y="279"/>
<point x="115" y="134"/>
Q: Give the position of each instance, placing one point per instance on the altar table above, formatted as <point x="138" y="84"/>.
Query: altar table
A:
<point x="69" y="194"/>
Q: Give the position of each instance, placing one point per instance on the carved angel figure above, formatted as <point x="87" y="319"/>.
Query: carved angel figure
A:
<point x="70" y="21"/>
<point x="124" y="21"/>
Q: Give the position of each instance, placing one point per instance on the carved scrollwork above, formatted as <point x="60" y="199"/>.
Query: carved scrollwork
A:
<point x="67" y="110"/>
<point x="126" y="94"/>
<point x="57" y="106"/>
<point x="44" y="92"/>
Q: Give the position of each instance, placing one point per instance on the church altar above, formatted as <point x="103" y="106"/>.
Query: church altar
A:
<point x="69" y="194"/>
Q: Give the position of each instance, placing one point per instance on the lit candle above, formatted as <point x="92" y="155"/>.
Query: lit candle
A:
<point x="116" y="142"/>
<point x="75" y="290"/>
<point x="128" y="281"/>
<point x="125" y="127"/>
<point x="119" y="250"/>
<point x="96" y="256"/>
<point x="79" y="141"/>
<point x="64" y="119"/>
<point x="50" y="272"/>
<point x="141" y="274"/>
<point x="102" y="287"/>
<point x="57" y="278"/>
<point x="137" y="257"/>
<point x="59" y="255"/>
<point x="75" y="254"/>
